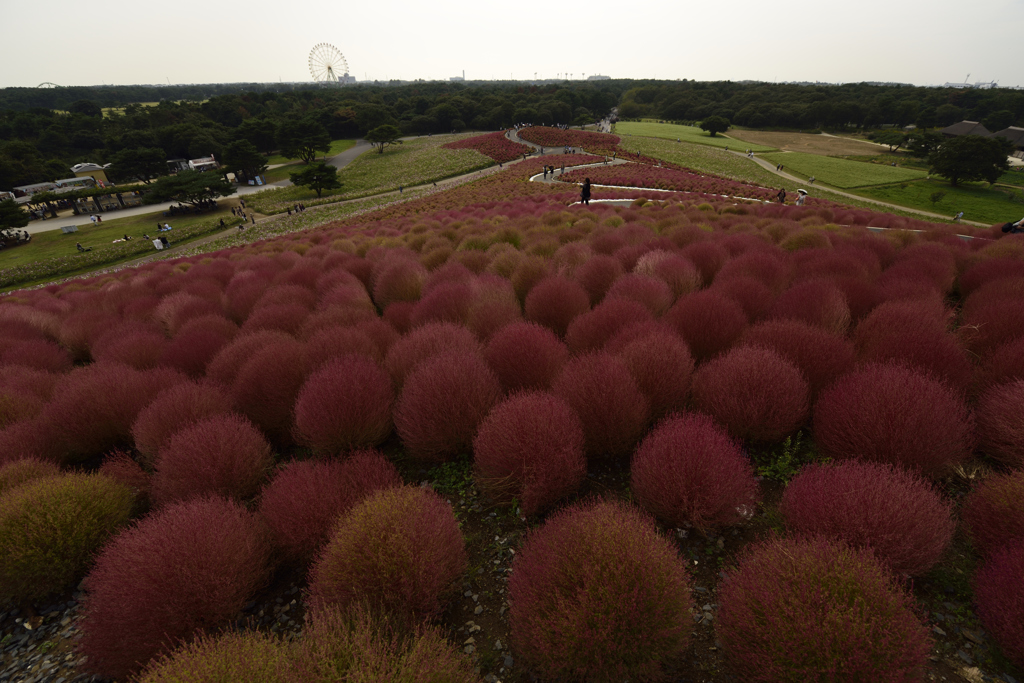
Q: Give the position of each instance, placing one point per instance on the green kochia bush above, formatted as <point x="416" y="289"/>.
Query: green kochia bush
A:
<point x="51" y="528"/>
<point x="817" y="610"/>
<point x="252" y="656"/>
<point x="598" y="595"/>
<point x="18" y="472"/>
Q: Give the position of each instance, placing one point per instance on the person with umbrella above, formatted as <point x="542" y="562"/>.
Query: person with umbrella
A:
<point x="802" y="198"/>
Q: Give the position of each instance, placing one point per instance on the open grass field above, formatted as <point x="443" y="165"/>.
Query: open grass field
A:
<point x="337" y="147"/>
<point x="703" y="158"/>
<point x="817" y="143"/>
<point x="978" y="201"/>
<point x="842" y="173"/>
<point x="671" y="131"/>
<point x="282" y="172"/>
<point x="1014" y="177"/>
<point x="415" y="162"/>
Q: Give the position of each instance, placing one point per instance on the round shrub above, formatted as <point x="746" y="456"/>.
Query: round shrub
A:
<point x="1004" y="364"/>
<point x="817" y="302"/>
<point x="224" y="366"/>
<point x="304" y="500"/>
<point x="555" y="302"/>
<point x="18" y="472"/>
<point x="530" y="447"/>
<point x="39" y="354"/>
<point x="820" y="355"/>
<point x="426" y="342"/>
<point x="590" y="331"/>
<point x="707" y="257"/>
<point x="662" y="366"/>
<point x="999" y="595"/>
<point x="399" y="549"/>
<point x="756" y="393"/>
<point x="268" y="384"/>
<point x="52" y="527"/>
<point x="135" y="344"/>
<point x="174" y="408"/>
<point x="613" y="411"/>
<point x="442" y="403"/>
<point x="121" y="467"/>
<point x="892" y="414"/>
<point x="192" y="349"/>
<point x="681" y="276"/>
<point x="708" y="322"/>
<point x="526" y="356"/>
<point x="751" y="294"/>
<point x="445" y="302"/>
<point x="654" y="294"/>
<point x="597" y="275"/>
<point x="870" y="505"/>
<point x="688" y="470"/>
<point x="191" y="566"/>
<point x="1001" y="423"/>
<point x="989" y="324"/>
<point x="346" y="404"/>
<point x="528" y="272"/>
<point x="221" y="455"/>
<point x="360" y="645"/>
<point x="597" y="594"/>
<point x="808" y="609"/>
<point x="251" y="656"/>
<point x="399" y="280"/>
<point x="994" y="512"/>
<point x="771" y="270"/>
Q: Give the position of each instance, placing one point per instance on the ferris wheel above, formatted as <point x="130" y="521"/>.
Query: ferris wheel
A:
<point x="327" y="64"/>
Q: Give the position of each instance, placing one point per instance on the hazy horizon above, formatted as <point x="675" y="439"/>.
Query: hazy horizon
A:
<point x="116" y="42"/>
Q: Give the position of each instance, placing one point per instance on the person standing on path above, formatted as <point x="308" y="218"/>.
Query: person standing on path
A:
<point x="585" y="192"/>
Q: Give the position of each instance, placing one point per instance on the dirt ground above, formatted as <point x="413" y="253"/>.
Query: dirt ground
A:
<point x="826" y="145"/>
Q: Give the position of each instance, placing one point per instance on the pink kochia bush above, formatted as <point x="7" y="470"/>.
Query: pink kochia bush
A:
<point x="223" y="455"/>
<point x="889" y="413"/>
<point x="173" y="408"/>
<point x="526" y="356"/>
<point x="346" y="404"/>
<point x="891" y="511"/>
<point x="399" y="549"/>
<point x="191" y="566"/>
<point x="816" y="609"/>
<point x="304" y="500"/>
<point x="709" y="323"/>
<point x="756" y="393"/>
<point x="555" y="302"/>
<point x="1001" y="423"/>
<point x="590" y="331"/>
<point x="613" y="411"/>
<point x="688" y="470"/>
<point x="267" y="385"/>
<point x="530" y="447"/>
<point x="999" y="595"/>
<point x="820" y="355"/>
<point x="994" y="511"/>
<point x="661" y="365"/>
<point x="442" y="403"/>
<point x="597" y="594"/>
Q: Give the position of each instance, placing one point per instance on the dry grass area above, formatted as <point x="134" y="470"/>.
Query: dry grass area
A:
<point x="827" y="145"/>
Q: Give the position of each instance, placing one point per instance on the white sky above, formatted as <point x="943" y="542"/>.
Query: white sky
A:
<point x="925" y="42"/>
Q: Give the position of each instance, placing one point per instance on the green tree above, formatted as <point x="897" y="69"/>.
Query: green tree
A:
<point x="189" y="187"/>
<point x="999" y="120"/>
<point x="970" y="157"/>
<point x="317" y="177"/>
<point x="140" y="163"/>
<point x="242" y="157"/>
<point x="302" y="139"/>
<point x="47" y="199"/>
<point x="382" y="136"/>
<point x="715" y="125"/>
<point x="12" y="215"/>
<point x="893" y="138"/>
<point x="86" y="107"/>
<point x="262" y="133"/>
<point x="922" y="143"/>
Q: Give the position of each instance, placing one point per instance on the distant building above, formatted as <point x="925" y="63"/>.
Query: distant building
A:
<point x="94" y="171"/>
<point x="76" y="183"/>
<point x="965" y="128"/>
<point x="599" y="78"/>
<point x="346" y="79"/>
<point x="203" y="164"/>
<point x="1016" y="137"/>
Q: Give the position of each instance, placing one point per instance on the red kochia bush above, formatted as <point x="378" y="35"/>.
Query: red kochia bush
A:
<point x="815" y="609"/>
<point x="400" y="279"/>
<point x="400" y="549"/>
<point x="174" y="408"/>
<point x="224" y="366"/>
<point x="994" y="511"/>
<point x="597" y="275"/>
<point x="442" y="403"/>
<point x="892" y="511"/>
<point x="652" y="292"/>
<point x="223" y="455"/>
<point x="999" y="595"/>
<point x="426" y="342"/>
<point x="1004" y="364"/>
<point x="709" y="323"/>
<point x="526" y="356"/>
<point x="820" y="355"/>
<point x="751" y="294"/>
<point x="267" y="385"/>
<point x="530" y="447"/>
<point x="662" y="366"/>
<point x="756" y="393"/>
<point x="987" y="325"/>
<point x="193" y="348"/>
<point x="818" y="302"/>
<point x="191" y="566"/>
<point x="597" y="594"/>
<point x="555" y="302"/>
<point x="614" y="413"/>
<point x="689" y="471"/>
<point x="1001" y="423"/>
<point x="346" y="404"/>
<point x="892" y="414"/>
<point x="36" y="353"/>
<point x="136" y="344"/>
<point x="305" y="499"/>
<point x="590" y="331"/>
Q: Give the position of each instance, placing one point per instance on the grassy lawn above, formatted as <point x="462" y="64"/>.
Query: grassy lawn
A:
<point x="671" y="131"/>
<point x="282" y="172"/>
<point x="337" y="147"/>
<point x="1014" y="177"/>
<point x="978" y="201"/>
<point x="702" y="158"/>
<point x="416" y="162"/>
<point x="53" y="254"/>
<point x="842" y="173"/>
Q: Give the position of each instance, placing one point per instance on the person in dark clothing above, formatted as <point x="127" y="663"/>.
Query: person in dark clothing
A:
<point x="585" y="192"/>
<point x="1014" y="227"/>
<point x="163" y="241"/>
<point x="782" y="195"/>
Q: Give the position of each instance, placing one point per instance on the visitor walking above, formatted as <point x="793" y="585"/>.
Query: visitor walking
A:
<point x="585" y="192"/>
